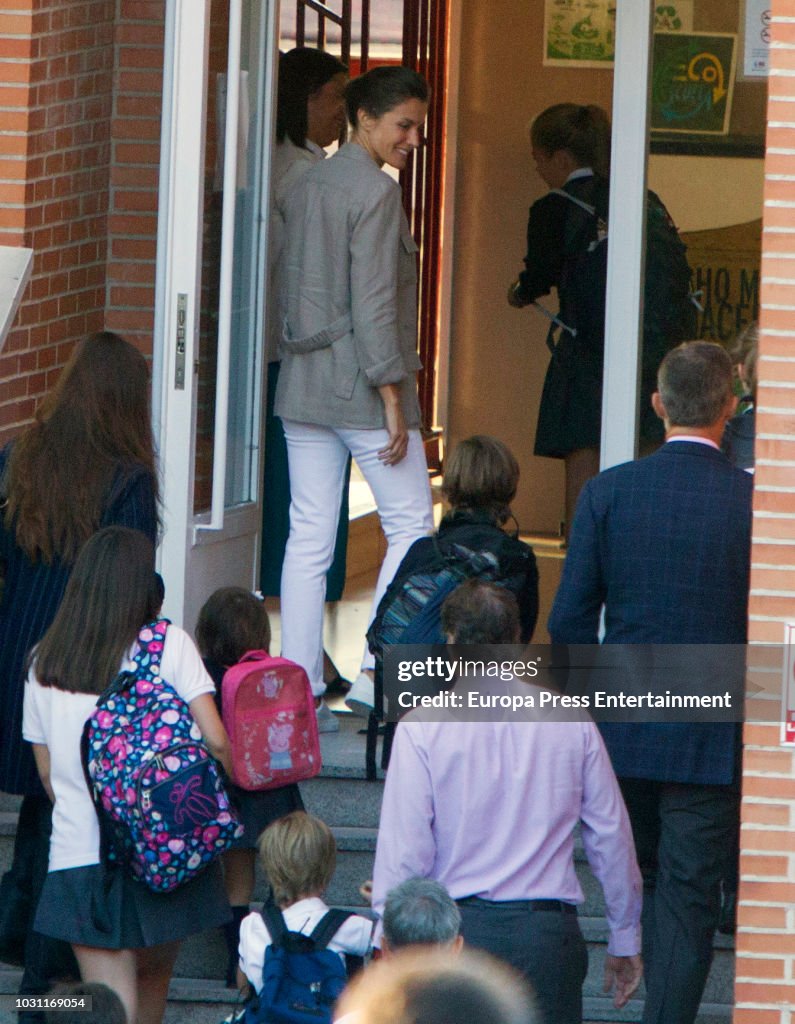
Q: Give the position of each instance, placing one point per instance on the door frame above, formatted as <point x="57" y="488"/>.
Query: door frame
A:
<point x="195" y="556"/>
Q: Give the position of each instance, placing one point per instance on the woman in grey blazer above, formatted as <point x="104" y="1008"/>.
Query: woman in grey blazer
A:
<point x="349" y="358"/>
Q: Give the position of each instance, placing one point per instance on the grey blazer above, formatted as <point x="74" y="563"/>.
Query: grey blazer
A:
<point x="350" y="296"/>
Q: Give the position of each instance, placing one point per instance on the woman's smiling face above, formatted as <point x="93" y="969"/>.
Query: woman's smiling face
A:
<point x="392" y="137"/>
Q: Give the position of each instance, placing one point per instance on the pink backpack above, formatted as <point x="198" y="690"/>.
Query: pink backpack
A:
<point x="269" y="713"/>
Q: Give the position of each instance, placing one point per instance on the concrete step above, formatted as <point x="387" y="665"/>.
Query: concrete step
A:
<point x="342" y="797"/>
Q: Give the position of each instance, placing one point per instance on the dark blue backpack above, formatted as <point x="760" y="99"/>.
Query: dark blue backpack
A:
<point x="410" y="611"/>
<point x="301" y="978"/>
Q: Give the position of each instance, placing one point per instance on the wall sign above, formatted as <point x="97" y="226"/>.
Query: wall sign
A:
<point x="692" y="82"/>
<point x="579" y="33"/>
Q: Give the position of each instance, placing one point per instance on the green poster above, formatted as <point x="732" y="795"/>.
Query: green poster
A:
<point x="692" y="82"/>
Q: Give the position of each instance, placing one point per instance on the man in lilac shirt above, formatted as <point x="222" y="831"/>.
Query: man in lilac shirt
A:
<point x="489" y="809"/>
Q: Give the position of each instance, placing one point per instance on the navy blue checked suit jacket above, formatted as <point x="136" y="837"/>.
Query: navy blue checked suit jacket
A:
<point x="664" y="544"/>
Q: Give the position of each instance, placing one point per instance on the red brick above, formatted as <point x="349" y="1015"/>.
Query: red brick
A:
<point x="765" y="992"/>
<point x="763" y="866"/>
<point x="766" y="814"/>
<point x="768" y="839"/>
<point x="742" y="1015"/>
<point x="748" y="968"/>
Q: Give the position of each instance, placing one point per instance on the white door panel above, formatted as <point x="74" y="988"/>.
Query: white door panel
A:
<point x="210" y="301"/>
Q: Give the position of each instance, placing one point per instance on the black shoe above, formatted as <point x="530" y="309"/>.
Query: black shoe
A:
<point x="338" y="687"/>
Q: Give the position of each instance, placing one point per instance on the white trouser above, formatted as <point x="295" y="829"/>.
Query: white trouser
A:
<point x="317" y="457"/>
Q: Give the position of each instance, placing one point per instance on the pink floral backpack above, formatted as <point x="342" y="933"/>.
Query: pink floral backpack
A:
<point x="161" y="803"/>
<point x="269" y="713"/>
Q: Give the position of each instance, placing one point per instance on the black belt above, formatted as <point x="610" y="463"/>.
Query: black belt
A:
<point x="542" y="906"/>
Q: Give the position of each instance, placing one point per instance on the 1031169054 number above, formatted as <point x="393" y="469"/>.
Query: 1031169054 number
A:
<point x="53" y="1002"/>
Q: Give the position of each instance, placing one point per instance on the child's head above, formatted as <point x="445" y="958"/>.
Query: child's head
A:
<point x="232" y="622"/>
<point x="299" y="855"/>
<point x="744" y="352"/>
<point x="582" y="132"/>
<point x="481" y="475"/>
<point x="110" y="595"/>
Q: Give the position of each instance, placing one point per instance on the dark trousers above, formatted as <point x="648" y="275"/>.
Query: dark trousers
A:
<point x="681" y="836"/>
<point x="546" y="946"/>
<point x="276" y="507"/>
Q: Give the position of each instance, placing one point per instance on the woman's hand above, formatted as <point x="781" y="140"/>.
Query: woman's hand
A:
<point x="396" y="427"/>
<point x="514" y="299"/>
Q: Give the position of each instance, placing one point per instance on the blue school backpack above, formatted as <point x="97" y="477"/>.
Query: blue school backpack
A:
<point x="410" y="611"/>
<point x="301" y="978"/>
<point x="161" y="804"/>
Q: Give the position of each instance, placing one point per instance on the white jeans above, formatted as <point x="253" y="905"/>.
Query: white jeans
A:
<point x="317" y="457"/>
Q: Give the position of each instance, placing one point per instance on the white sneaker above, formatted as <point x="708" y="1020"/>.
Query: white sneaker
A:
<point x="361" y="698"/>
<point x="327" y="721"/>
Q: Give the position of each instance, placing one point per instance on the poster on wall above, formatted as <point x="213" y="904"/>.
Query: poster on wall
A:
<point x="756" y="39"/>
<point x="724" y="263"/>
<point x="692" y="82"/>
<point x="579" y="33"/>
<point x="674" y="17"/>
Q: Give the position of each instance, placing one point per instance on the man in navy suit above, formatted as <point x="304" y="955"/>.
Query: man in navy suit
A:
<point x="663" y="544"/>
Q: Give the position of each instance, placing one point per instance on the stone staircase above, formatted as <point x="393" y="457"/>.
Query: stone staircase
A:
<point x="351" y="806"/>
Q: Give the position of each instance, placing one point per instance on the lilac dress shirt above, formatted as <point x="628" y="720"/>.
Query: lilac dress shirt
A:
<point x="489" y="809"/>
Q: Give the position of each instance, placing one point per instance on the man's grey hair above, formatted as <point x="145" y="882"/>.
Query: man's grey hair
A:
<point x="420" y="911"/>
<point x="695" y="382"/>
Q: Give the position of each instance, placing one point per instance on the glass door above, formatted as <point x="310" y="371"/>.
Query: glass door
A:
<point x="220" y="66"/>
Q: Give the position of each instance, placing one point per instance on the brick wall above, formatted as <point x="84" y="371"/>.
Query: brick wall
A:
<point x="56" y="63"/>
<point x="765" y="986"/>
<point x="80" y="101"/>
<point x="135" y="163"/>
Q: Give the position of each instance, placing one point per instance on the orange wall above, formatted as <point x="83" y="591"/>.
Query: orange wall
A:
<point x="497" y="354"/>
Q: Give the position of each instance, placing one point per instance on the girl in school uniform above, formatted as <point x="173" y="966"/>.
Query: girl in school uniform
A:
<point x="122" y="934"/>
<point x="233" y="621"/>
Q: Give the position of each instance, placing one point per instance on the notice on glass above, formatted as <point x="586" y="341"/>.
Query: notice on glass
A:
<point x="756" y="38"/>
<point x="788" y="688"/>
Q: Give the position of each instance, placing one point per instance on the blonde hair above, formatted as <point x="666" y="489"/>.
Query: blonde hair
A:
<point x="482" y="474"/>
<point x="298" y="854"/>
<point x="438" y="988"/>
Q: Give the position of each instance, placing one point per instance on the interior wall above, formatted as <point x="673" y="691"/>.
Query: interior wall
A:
<point x="498" y="355"/>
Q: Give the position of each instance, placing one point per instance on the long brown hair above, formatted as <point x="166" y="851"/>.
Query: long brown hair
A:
<point x="110" y="595"/>
<point x="92" y="425"/>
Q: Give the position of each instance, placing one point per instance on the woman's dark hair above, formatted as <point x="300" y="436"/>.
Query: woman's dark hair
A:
<point x="583" y="131"/>
<point x="93" y="426"/>
<point x="302" y="71"/>
<point x="110" y="595"/>
<point x="380" y="90"/>
<point x="231" y="622"/>
<point x="481" y="475"/>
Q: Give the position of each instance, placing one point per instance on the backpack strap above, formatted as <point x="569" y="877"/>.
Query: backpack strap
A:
<point x="275" y="923"/>
<point x="151" y="647"/>
<point x="579" y="202"/>
<point x="328" y="926"/>
<point x="256" y="655"/>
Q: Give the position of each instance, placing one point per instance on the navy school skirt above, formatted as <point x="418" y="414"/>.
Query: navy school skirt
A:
<point x="88" y="906"/>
